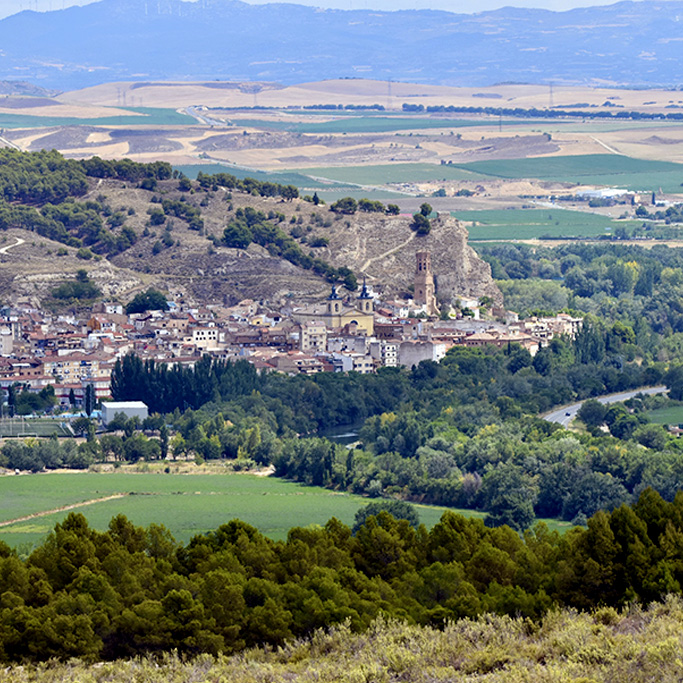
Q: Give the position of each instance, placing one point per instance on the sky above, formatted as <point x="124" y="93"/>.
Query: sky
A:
<point x="8" y="7"/>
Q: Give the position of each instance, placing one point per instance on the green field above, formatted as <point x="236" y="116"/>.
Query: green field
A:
<point x="576" y="125"/>
<point x="592" y="169"/>
<point x="332" y="182"/>
<point x="534" y="223"/>
<point x="146" y="116"/>
<point x="330" y="196"/>
<point x="19" y="426"/>
<point x="283" y="178"/>
<point x="672" y="415"/>
<point x="186" y="504"/>
<point x="392" y="173"/>
<point x="376" y="124"/>
<point x="328" y="190"/>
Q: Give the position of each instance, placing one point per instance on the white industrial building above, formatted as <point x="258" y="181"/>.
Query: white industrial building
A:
<point x="128" y="408"/>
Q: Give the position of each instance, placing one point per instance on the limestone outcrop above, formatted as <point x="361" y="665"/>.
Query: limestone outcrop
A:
<point x="384" y="248"/>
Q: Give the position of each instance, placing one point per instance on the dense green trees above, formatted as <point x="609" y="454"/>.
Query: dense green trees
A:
<point x="126" y="170"/>
<point x="82" y="288"/>
<point x="398" y="509"/>
<point x="453" y="433"/>
<point x="38" y="192"/>
<point x="131" y="591"/>
<point x="581" y="112"/>
<point x="164" y="390"/>
<point x="421" y="224"/>
<point x="39" y="177"/>
<point x="250" y="226"/>
<point x="636" y="289"/>
<point x="149" y="300"/>
<point x="33" y="455"/>
<point x="248" y="185"/>
<point x="345" y="205"/>
<point x="370" y="206"/>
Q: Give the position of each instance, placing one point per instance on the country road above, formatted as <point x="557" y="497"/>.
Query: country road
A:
<point x="566" y="414"/>
<point x="207" y="120"/>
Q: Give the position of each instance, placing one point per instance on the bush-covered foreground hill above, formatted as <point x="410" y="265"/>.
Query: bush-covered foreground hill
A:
<point x="134" y="592"/>
<point x="634" y="645"/>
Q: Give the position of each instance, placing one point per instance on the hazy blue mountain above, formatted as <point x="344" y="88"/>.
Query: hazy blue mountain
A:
<point x="636" y="43"/>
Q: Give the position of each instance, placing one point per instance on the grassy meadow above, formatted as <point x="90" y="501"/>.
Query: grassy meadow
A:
<point x="673" y="415"/>
<point x="589" y="169"/>
<point x="509" y="224"/>
<point x="329" y="190"/>
<point x="381" y="174"/>
<point x="376" y="124"/>
<point x="145" y="116"/>
<point x="187" y="504"/>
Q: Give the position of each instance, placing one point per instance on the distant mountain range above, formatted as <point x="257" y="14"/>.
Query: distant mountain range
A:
<point x="629" y="43"/>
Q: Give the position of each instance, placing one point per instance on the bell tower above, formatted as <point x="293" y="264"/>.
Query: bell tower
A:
<point x="424" y="293"/>
<point x="365" y="300"/>
<point x="334" y="302"/>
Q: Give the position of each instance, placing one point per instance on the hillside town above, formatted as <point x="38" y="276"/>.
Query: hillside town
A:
<point x="351" y="333"/>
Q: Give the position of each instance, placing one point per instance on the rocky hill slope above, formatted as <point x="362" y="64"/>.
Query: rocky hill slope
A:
<point x="173" y="236"/>
<point x="383" y="249"/>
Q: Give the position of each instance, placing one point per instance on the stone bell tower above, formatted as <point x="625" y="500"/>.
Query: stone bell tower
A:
<point x="424" y="293"/>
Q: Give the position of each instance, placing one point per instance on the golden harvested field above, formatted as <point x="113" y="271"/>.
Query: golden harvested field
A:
<point x="55" y="107"/>
<point x="356" y="91"/>
<point x="215" y="124"/>
<point x="281" y="138"/>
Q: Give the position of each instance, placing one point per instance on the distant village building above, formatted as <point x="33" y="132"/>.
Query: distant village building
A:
<point x="413" y="352"/>
<point x="204" y="338"/>
<point x="313" y="336"/>
<point x="6" y="340"/>
<point x="385" y="352"/>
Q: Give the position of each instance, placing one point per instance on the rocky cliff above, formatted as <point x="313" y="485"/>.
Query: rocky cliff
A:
<point x="384" y="248"/>
<point x="381" y="248"/>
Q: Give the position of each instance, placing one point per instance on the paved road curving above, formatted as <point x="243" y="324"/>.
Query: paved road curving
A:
<point x="566" y="414"/>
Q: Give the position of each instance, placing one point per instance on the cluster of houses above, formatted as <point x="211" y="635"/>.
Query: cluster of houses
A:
<point x="359" y="334"/>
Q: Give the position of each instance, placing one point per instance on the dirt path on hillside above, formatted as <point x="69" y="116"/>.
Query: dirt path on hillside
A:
<point x="19" y="241"/>
<point x="64" y="508"/>
<point x="364" y="267"/>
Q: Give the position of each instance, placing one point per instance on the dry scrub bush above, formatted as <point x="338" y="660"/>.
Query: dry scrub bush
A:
<point x="605" y="646"/>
